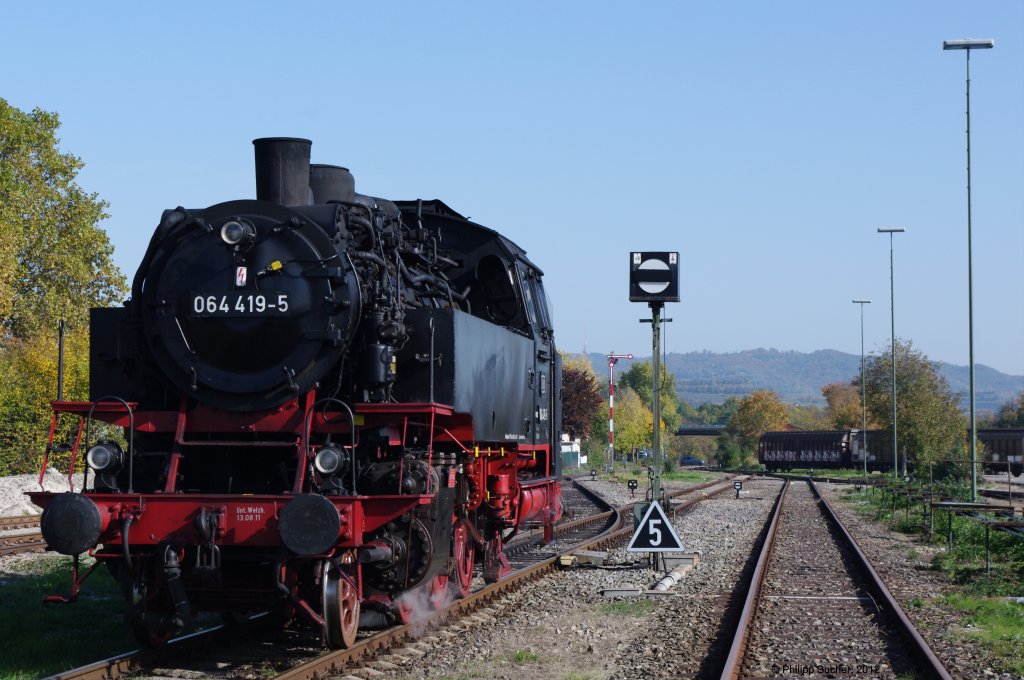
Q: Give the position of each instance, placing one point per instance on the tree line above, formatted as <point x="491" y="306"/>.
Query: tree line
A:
<point x="56" y="263"/>
<point x="930" y="426"/>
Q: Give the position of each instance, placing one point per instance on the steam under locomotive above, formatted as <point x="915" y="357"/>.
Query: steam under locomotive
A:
<point x="332" y="405"/>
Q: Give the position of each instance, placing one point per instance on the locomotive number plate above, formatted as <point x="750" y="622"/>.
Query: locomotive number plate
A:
<point x="239" y="304"/>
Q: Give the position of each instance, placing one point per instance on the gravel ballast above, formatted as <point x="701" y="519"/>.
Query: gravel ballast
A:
<point x="904" y="563"/>
<point x="563" y="627"/>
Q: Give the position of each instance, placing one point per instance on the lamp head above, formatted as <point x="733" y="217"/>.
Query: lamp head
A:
<point x="968" y="44"/>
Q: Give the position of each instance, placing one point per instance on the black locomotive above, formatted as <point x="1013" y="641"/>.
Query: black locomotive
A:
<point x="330" y="402"/>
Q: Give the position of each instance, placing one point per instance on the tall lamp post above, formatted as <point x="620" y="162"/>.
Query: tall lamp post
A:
<point x="967" y="46"/>
<point x="863" y="391"/>
<point x="892" y="325"/>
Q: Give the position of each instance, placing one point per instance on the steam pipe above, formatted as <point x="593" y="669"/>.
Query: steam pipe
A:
<point x="125" y="528"/>
<point x="431" y="359"/>
<point x="367" y="255"/>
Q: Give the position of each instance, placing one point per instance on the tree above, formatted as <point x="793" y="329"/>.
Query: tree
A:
<point x="24" y="403"/>
<point x="581" y="397"/>
<point x="759" y="412"/>
<point x="930" y="426"/>
<point x="639" y="378"/>
<point x="633" y="422"/>
<point x="718" y="414"/>
<point x="844" y="410"/>
<point x="1011" y="414"/>
<point x="808" y="417"/>
<point x="730" y="452"/>
<point x="699" y="447"/>
<point x="55" y="261"/>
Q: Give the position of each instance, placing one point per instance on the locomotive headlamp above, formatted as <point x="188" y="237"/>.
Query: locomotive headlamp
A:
<point x="105" y="457"/>
<point x="328" y="460"/>
<point x="238" y="233"/>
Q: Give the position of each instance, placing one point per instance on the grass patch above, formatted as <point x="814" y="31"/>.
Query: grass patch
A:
<point x="640" y="474"/>
<point x="637" y="608"/>
<point x="842" y="473"/>
<point x="38" y="640"/>
<point x="473" y="671"/>
<point x="964" y="562"/>
<point x="467" y="675"/>
<point x="1000" y="626"/>
<point x="685" y="476"/>
<point x="996" y="623"/>
<point x="521" y="656"/>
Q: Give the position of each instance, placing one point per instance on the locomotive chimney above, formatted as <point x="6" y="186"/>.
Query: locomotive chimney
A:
<point x="282" y="170"/>
<point x="331" y="183"/>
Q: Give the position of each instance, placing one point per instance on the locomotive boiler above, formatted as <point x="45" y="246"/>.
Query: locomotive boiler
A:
<point x="332" y="405"/>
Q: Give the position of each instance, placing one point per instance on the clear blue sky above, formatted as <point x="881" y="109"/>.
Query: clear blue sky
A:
<point x="765" y="142"/>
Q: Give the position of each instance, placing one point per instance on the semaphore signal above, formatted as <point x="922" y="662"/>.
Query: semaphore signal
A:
<point x="612" y="360"/>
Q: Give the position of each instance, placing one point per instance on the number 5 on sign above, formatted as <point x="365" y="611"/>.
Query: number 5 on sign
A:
<point x="655" y="533"/>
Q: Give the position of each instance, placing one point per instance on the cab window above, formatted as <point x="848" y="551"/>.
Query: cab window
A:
<point x="499" y="290"/>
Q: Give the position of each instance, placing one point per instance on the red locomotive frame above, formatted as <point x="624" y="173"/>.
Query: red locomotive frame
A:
<point x="132" y="525"/>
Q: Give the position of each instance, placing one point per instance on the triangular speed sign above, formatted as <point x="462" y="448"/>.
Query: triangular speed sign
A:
<point x="655" y="533"/>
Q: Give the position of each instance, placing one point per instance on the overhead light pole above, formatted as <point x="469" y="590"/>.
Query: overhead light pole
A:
<point x="967" y="45"/>
<point x="892" y="325"/>
<point x="863" y="391"/>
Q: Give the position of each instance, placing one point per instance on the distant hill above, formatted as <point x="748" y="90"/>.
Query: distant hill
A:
<point x="798" y="377"/>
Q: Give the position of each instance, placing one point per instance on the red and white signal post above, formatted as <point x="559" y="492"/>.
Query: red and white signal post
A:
<point x="612" y="360"/>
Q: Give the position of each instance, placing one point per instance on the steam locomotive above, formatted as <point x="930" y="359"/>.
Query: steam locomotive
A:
<point x="333" y="406"/>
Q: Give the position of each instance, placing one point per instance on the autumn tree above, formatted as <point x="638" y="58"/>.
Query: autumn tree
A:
<point x="633" y="422"/>
<point x="55" y="259"/>
<point x="930" y="426"/>
<point x="581" y="397"/>
<point x="759" y="412"/>
<point x="639" y="378"/>
<point x="55" y="263"/>
<point x="844" y="410"/>
<point x="25" y="403"/>
<point x="808" y="417"/>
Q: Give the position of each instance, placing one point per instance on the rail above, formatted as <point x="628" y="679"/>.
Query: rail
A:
<point x="617" y="529"/>
<point x="917" y="646"/>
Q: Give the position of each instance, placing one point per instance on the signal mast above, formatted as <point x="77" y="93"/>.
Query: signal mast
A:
<point x="612" y="360"/>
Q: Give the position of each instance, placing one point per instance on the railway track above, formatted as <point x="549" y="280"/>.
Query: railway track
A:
<point x="815" y="605"/>
<point x="11" y="544"/>
<point x="19" y="522"/>
<point x="1015" y="496"/>
<point x="219" y="646"/>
